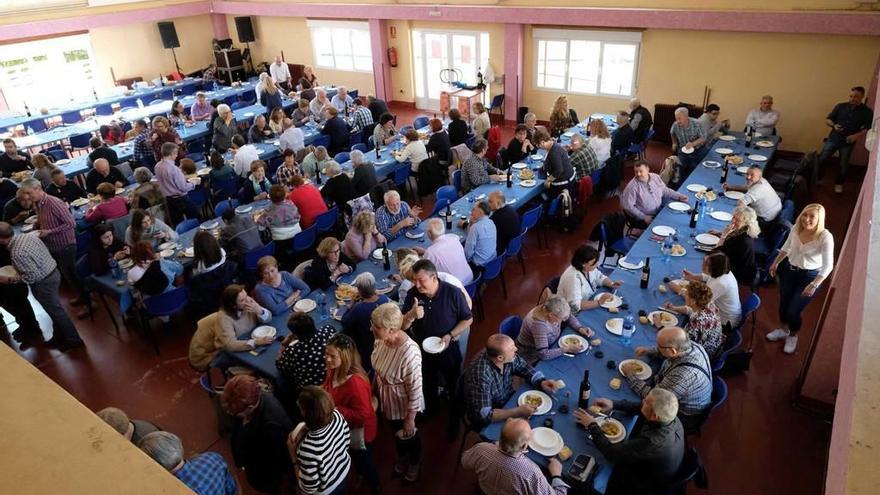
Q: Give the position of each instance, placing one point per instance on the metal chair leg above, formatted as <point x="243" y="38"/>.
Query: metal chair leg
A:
<point x="109" y="313"/>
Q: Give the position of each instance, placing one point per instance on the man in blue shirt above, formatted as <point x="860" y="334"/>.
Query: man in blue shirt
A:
<point x="482" y="237"/>
<point x="342" y="101"/>
<point x="395" y="216"/>
<point x="205" y="474"/>
<point x="337" y="129"/>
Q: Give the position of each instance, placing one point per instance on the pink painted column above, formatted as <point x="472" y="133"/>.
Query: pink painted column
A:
<point x="514" y="35"/>
<point x="381" y="69"/>
<point x="219" y="26"/>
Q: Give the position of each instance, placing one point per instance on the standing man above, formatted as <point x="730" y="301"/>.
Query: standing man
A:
<point x="280" y="73"/>
<point x="849" y="121"/>
<point x="14" y="299"/>
<point x="36" y="268"/>
<point x="174" y="185"/>
<point x="688" y="138"/>
<point x="640" y="120"/>
<point x="506" y="220"/>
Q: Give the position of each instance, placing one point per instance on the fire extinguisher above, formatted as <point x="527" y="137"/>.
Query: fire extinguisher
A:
<point x="392" y="56"/>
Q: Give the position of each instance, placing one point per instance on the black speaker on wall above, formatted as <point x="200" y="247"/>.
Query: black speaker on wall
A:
<point x="245" y="29"/>
<point x="169" y="35"/>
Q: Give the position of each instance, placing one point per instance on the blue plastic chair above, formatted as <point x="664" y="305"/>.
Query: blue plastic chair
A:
<point x="510" y="326"/>
<point x="83" y="242"/>
<point x="225" y="188"/>
<point x="787" y="212"/>
<point x="355" y="138"/>
<point x="492" y="270"/>
<point x="371" y="143"/>
<point x="249" y="95"/>
<point x="71" y="117"/>
<point x="404" y="129"/>
<point x="456" y="180"/>
<point x="327" y="220"/>
<point x="401" y="175"/>
<point x="238" y="105"/>
<point x="105" y="109"/>
<point x="596" y="177"/>
<point x="514" y="248"/>
<point x="199" y="197"/>
<point x="420" y="121"/>
<point x="731" y="344"/>
<point x="341" y="157"/>
<point x="497" y="102"/>
<point x="187" y="225"/>
<point x="751" y="304"/>
<point x="530" y="218"/>
<point x="224" y="205"/>
<point x="719" y="397"/>
<point x="619" y="248"/>
<point x="253" y="256"/>
<point x="305" y="239"/>
<point x="360" y="147"/>
<point x="231" y="100"/>
<point x="446" y="192"/>
<point x="38" y="125"/>
<point x="472" y="290"/>
<point x="79" y="141"/>
<point x="56" y="154"/>
<point x="322" y="140"/>
<point x="163" y="305"/>
<point x="439" y="206"/>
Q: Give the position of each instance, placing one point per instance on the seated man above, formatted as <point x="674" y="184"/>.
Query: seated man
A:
<point x="763" y="119"/>
<point x="624" y="135"/>
<point x="503" y="468"/>
<point x="760" y="195"/>
<point x="482" y="238"/>
<point x="342" y="101"/>
<point x="103" y="172"/>
<point x="13" y="160"/>
<point x="337" y="130"/>
<point x="686" y="372"/>
<point x="476" y="170"/>
<point x="488" y="382"/>
<point x="101" y="150"/>
<point x="445" y="251"/>
<point x="292" y="137"/>
<point x="239" y="234"/>
<point x="643" y="197"/>
<point x="317" y="105"/>
<point x="66" y="190"/>
<point x="688" y="138"/>
<point x="205" y="474"/>
<point x="651" y="457"/>
<point x="361" y="117"/>
<point x="131" y="429"/>
<point x="260" y="131"/>
<point x="243" y="156"/>
<point x="506" y="220"/>
<point x="19" y="208"/>
<point x="583" y="158"/>
<point x="710" y="123"/>
<point x="849" y="121"/>
<point x="395" y="216"/>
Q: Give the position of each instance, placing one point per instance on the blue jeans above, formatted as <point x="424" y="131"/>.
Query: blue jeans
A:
<point x="839" y="145"/>
<point x="792" y="282"/>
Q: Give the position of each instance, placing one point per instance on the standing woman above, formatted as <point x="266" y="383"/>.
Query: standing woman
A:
<point x="319" y="450"/>
<point x="481" y="123"/>
<point x="348" y="385"/>
<point x="270" y="97"/>
<point x="803" y="263"/>
<point x="397" y="364"/>
<point x="560" y="118"/>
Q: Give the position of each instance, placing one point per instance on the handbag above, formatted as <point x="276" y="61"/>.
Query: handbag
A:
<point x="357" y="439"/>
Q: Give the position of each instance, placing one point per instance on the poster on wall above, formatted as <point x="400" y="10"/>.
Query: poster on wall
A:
<point x="392" y="31"/>
<point x="466" y="55"/>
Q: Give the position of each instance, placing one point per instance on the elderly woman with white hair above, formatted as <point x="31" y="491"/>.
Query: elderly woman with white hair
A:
<point x="542" y="327"/>
<point x="204" y="473"/>
<point x="147" y="194"/>
<point x="224" y="128"/>
<point x="356" y="320"/>
<point x="364" y="180"/>
<point x="737" y="242"/>
<point x="363" y="237"/>
<point x="395" y="216"/>
<point x="338" y="189"/>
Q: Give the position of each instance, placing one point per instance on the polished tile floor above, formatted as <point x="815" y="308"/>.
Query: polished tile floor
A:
<point x="757" y="443"/>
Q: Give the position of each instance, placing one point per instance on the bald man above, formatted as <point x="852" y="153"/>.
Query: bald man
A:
<point x="760" y="195"/>
<point x="488" y="382"/>
<point x="103" y="172"/>
<point x="686" y="372"/>
<point x="506" y="220"/>
<point x="640" y="120"/>
<point x="280" y="73"/>
<point x="504" y="469"/>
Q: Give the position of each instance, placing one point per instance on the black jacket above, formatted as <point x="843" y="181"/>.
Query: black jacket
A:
<point x="621" y="139"/>
<point x="740" y="251"/>
<point x="377" y="108"/>
<point x="94" y="179"/>
<point x="340" y="138"/>
<point x="364" y="179"/>
<point x="439" y="144"/>
<point x="339" y="190"/>
<point x="260" y="446"/>
<point x="507" y="226"/>
<point x="104" y="152"/>
<point x="642" y="129"/>
<point x="458" y="132"/>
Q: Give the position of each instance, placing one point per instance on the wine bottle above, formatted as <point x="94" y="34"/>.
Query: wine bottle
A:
<point x="584" y="394"/>
<point x="27" y="110"/>
<point x="646" y="274"/>
<point x="161" y="80"/>
<point x="448" y="217"/>
<point x="749" y="137"/>
<point x="377" y="151"/>
<point x="386" y="259"/>
<point x="724" y="169"/>
<point x="95" y="94"/>
<point x="509" y="178"/>
<point x="695" y="214"/>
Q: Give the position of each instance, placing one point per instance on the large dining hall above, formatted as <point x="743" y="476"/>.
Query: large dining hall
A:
<point x="407" y="247"/>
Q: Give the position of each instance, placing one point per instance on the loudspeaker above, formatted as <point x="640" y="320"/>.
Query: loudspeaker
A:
<point x="245" y="29"/>
<point x="169" y="35"/>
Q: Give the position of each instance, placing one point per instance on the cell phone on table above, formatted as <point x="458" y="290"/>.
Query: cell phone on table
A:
<point x="582" y="467"/>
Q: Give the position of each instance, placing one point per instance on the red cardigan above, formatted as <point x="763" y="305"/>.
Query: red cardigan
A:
<point x="354" y="401"/>
<point x="309" y="202"/>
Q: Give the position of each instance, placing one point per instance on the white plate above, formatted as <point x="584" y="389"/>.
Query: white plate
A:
<point x="615" y="439"/>
<point x="757" y="158"/>
<point x="724" y="151"/>
<point x="696" y="187"/>
<point x="414" y="234"/>
<point x="680" y="253"/>
<point x="167" y="245"/>
<point x="630" y="266"/>
<point x="707" y="239"/>
<point x="646" y="370"/>
<point x="480" y="197"/>
<point x="63" y="161"/>
<point x="194" y="180"/>
<point x="8" y="271"/>
<point x="666" y="322"/>
<point x="679" y="206"/>
<point x="537" y="156"/>
<point x="241" y="210"/>
<point x="120" y="190"/>
<point x="727" y="137"/>
<point x="663" y="230"/>
<point x="614" y="302"/>
<point x="189" y="252"/>
<point x="27" y="228"/>
<point x="166" y="253"/>
<point x="125" y="263"/>
<point x="76" y="203"/>
<point x="209" y="225"/>
<point x="546" y="442"/>
<point x="264" y="331"/>
<point x="528" y="183"/>
<point x="30" y="220"/>
<point x="518" y="166"/>
<point x="433" y="345"/>
<point x="614" y="325"/>
<point x="734" y="195"/>
<point x="546" y="402"/>
<point x="764" y="144"/>
<point x="377" y="254"/>
<point x="510" y="201"/>
<point x="711" y="164"/>
<point x="721" y="215"/>
<point x="742" y="170"/>
<point x="582" y="341"/>
<point x="203" y="171"/>
<point x="305" y="305"/>
<point x="687" y="150"/>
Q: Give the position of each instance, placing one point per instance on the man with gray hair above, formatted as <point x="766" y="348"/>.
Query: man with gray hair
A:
<point x="688" y="138"/>
<point x="205" y="474"/>
<point x="292" y="137"/>
<point x="338" y="189"/>
<point x="364" y="179"/>
<point x="356" y="320"/>
<point x="640" y="120"/>
<point x="395" y="216"/>
<point x="131" y="429"/>
<point x="504" y="469"/>
<point x="763" y="119"/>
<point x="759" y="194"/>
<point x="583" y="158"/>
<point x="482" y="237"/>
<point x="650" y="458"/>
<point x="341" y="100"/>
<point x="318" y="104"/>
<point x="446" y="251"/>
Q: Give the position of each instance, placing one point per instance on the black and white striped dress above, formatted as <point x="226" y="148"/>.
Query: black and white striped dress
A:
<point x="322" y="457"/>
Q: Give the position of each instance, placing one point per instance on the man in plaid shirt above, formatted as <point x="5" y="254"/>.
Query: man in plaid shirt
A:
<point x="143" y="149"/>
<point x="360" y="116"/>
<point x="583" y="158"/>
<point x="686" y="372"/>
<point x="488" y="382"/>
<point x="205" y="474"/>
<point x="395" y="216"/>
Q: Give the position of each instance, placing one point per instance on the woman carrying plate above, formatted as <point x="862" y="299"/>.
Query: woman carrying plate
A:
<point x="238" y="315"/>
<point x="278" y="290"/>
<point x="582" y="279"/>
<point x="541" y="330"/>
<point x="362" y="238"/>
<point x="704" y="325"/>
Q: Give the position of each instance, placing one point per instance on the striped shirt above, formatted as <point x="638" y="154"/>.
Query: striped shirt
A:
<point x="688" y="376"/>
<point x="399" y="376"/>
<point x="385" y="220"/>
<point x="56" y="221"/>
<point x="30" y="257"/>
<point x="503" y="474"/>
<point x="322" y="457"/>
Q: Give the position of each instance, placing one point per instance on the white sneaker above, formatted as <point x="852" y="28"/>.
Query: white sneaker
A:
<point x="838" y="188"/>
<point x="790" y="344"/>
<point x="777" y="335"/>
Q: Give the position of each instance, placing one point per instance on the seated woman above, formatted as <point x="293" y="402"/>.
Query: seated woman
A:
<point x="327" y="265"/>
<point x="384" y="132"/>
<point x="600" y="140"/>
<point x="704" y="326"/>
<point x="287" y="169"/>
<point x="144" y="227"/>
<point x="414" y="151"/>
<point x="256" y="187"/>
<point x="187" y="166"/>
<point x="281" y="218"/>
<point x="725" y="291"/>
<point x="542" y="327"/>
<point x="457" y="128"/>
<point x="278" y="290"/>
<point x="177" y="116"/>
<point x="560" y="117"/>
<point x="582" y="279"/>
<point x="111" y="206"/>
<point x="362" y="238"/>
<point x="221" y="173"/>
<point x="476" y="170"/>
<point x="104" y="247"/>
<point x="149" y="275"/>
<point x="43" y="169"/>
<point x="276" y="121"/>
<point x="207" y="253"/>
<point x="301" y="360"/>
<point x="356" y="320"/>
<point x="308" y="201"/>
<point x="737" y="242"/>
<point x="481" y="123"/>
<point x="438" y="143"/>
<point x="302" y="114"/>
<point x="320" y="450"/>
<point x="239" y="314"/>
<point x="147" y="194"/>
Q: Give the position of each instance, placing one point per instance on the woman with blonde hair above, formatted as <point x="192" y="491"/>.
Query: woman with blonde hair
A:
<point x="327" y="265"/>
<point x="804" y="262"/>
<point x="560" y="117"/>
<point x="43" y="169"/>
<point x="308" y="79"/>
<point x="481" y="123"/>
<point x="276" y="120"/>
<point x="164" y="133"/>
<point x="363" y="237"/>
<point x="737" y="242"/>
<point x="270" y="97"/>
<point x="600" y="139"/>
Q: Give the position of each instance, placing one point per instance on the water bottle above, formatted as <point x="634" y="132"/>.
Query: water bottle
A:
<point x="115" y="271"/>
<point x="30" y="130"/>
<point x="666" y="249"/>
<point x="140" y="103"/>
<point x="216" y="86"/>
<point x="629" y="327"/>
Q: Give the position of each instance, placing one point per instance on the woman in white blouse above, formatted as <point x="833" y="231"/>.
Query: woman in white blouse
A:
<point x="725" y="290"/>
<point x="481" y="123"/>
<point x="416" y="153"/>
<point x="582" y="279"/>
<point x="600" y="140"/>
<point x="803" y="263"/>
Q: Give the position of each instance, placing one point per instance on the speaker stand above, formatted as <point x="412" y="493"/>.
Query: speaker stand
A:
<point x="174" y="54"/>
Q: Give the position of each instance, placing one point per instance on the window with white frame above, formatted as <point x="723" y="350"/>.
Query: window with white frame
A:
<point x="342" y="45"/>
<point x="590" y="62"/>
<point x="36" y="5"/>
